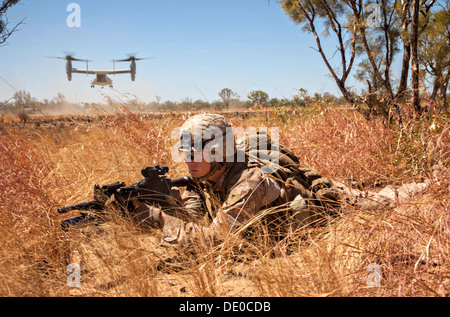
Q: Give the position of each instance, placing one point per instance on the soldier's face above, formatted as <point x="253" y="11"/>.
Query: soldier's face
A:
<point x="198" y="169"/>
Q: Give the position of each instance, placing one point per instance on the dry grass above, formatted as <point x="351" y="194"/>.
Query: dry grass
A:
<point x="54" y="163"/>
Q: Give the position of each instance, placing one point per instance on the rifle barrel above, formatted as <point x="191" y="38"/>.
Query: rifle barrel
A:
<point x="90" y="205"/>
<point x="183" y="181"/>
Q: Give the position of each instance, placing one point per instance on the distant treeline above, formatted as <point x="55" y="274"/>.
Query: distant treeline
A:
<point x="23" y="103"/>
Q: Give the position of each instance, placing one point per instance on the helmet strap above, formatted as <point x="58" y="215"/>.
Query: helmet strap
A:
<point x="215" y="166"/>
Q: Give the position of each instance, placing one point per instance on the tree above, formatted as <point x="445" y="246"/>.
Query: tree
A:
<point x="5" y="32"/>
<point x="434" y="54"/>
<point x="331" y="13"/>
<point x="375" y="44"/>
<point x="404" y="13"/>
<point x="414" y="55"/>
<point x="227" y="95"/>
<point x="258" y="97"/>
<point x="21" y="99"/>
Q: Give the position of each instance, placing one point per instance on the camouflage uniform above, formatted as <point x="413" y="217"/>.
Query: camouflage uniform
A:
<point x="215" y="211"/>
<point x="210" y="211"/>
<point x="388" y="197"/>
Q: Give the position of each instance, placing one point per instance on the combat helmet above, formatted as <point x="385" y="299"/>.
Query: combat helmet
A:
<point x="211" y="133"/>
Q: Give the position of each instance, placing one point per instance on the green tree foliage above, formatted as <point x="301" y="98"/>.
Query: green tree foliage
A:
<point x="258" y="97"/>
<point x="375" y="45"/>
<point x="434" y="54"/>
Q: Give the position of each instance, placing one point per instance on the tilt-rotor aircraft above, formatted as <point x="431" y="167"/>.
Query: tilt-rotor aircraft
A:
<point x="101" y="76"/>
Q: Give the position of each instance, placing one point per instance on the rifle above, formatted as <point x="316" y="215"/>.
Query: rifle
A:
<point x="154" y="189"/>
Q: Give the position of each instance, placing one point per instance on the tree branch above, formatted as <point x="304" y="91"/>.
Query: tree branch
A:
<point x="6" y="34"/>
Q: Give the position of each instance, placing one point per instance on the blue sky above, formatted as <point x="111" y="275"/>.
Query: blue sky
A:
<point x="198" y="48"/>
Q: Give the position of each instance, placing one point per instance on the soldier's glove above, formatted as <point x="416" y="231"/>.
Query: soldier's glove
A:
<point x="146" y="215"/>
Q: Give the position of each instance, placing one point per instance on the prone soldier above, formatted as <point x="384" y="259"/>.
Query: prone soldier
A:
<point x="231" y="188"/>
<point x="227" y="193"/>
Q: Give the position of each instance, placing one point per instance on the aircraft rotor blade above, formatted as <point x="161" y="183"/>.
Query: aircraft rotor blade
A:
<point x="63" y="58"/>
<point x="70" y="58"/>
<point x="77" y="59"/>
<point x="121" y="60"/>
<point x="131" y="58"/>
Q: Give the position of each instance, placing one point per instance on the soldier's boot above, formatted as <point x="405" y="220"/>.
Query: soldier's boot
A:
<point x="327" y="195"/>
<point x="304" y="213"/>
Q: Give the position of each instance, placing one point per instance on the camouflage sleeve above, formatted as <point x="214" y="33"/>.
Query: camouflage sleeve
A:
<point x="195" y="204"/>
<point x="192" y="200"/>
<point x="248" y="193"/>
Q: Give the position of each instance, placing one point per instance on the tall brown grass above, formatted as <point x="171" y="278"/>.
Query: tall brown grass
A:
<point x="45" y="166"/>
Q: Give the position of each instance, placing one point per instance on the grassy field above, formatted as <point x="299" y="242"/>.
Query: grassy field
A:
<point x="49" y="162"/>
